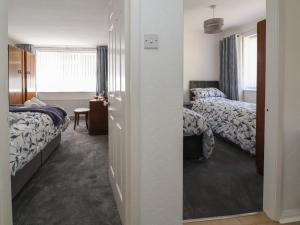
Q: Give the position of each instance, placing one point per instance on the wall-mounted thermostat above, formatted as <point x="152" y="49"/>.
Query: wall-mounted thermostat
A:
<point x="151" y="41"/>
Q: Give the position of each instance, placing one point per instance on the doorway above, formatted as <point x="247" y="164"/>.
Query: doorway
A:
<point x="223" y="170"/>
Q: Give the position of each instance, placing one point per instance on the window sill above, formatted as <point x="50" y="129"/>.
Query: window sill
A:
<point x="56" y="96"/>
<point x="249" y="90"/>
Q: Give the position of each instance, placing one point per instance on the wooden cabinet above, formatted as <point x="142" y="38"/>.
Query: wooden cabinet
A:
<point x="16" y="75"/>
<point x="98" y="117"/>
<point x="21" y="75"/>
<point x="30" y="88"/>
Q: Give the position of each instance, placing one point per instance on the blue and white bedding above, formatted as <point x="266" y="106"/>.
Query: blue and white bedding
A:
<point x="196" y="125"/>
<point x="29" y="133"/>
<point x="233" y="120"/>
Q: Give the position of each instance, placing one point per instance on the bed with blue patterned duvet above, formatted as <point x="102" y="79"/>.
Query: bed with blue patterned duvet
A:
<point x="30" y="131"/>
<point x="196" y="125"/>
<point x="232" y="120"/>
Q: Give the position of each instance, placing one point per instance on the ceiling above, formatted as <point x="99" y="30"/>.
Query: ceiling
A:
<point x="235" y="12"/>
<point x="75" y="23"/>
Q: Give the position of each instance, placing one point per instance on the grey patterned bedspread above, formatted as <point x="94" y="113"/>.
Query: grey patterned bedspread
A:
<point x="194" y="124"/>
<point x="57" y="114"/>
<point x="29" y="133"/>
<point x="233" y="120"/>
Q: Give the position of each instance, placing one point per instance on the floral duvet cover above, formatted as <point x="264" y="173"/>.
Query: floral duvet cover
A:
<point x="193" y="125"/>
<point x="29" y="133"/>
<point x="232" y="120"/>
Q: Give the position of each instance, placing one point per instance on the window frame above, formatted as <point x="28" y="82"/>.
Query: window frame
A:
<point x="66" y="49"/>
<point x="244" y="36"/>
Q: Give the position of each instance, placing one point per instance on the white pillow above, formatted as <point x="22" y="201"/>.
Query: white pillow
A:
<point x="207" y="92"/>
<point x="31" y="104"/>
<point x="39" y="102"/>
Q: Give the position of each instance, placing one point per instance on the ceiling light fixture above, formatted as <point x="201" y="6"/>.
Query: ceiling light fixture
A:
<point x="213" y="25"/>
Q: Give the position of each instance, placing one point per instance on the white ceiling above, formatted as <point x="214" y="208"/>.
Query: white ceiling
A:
<point x="81" y="23"/>
<point x="235" y="12"/>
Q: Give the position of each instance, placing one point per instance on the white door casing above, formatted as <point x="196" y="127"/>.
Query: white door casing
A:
<point x="117" y="104"/>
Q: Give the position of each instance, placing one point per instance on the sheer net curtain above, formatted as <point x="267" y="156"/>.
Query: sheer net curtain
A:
<point x="66" y="70"/>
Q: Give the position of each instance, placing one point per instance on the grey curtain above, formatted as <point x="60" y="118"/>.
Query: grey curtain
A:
<point x="229" y="67"/>
<point x="101" y="88"/>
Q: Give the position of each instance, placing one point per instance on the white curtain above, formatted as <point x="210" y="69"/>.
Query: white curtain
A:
<point x="65" y="70"/>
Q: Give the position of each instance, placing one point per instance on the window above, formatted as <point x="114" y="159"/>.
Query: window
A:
<point x="61" y="70"/>
<point x="250" y="62"/>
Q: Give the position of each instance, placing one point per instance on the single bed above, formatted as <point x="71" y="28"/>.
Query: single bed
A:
<point x="232" y="120"/>
<point x="198" y="142"/>
<point x="34" y="135"/>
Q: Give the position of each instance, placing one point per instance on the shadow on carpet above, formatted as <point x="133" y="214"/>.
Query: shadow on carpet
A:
<point x="226" y="184"/>
<point x="72" y="188"/>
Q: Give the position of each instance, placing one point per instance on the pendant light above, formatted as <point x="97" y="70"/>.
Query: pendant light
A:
<point x="213" y="25"/>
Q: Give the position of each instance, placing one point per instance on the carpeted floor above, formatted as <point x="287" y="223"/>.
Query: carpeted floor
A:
<point x="226" y="184"/>
<point x="72" y="188"/>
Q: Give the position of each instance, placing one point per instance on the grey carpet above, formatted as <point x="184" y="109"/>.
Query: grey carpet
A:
<point x="226" y="184"/>
<point x="72" y="188"/>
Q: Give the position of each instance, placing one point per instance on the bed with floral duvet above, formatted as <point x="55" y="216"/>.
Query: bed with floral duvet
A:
<point x="195" y="125"/>
<point x="29" y="133"/>
<point x="232" y="120"/>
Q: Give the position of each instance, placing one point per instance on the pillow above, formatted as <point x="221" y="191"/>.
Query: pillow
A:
<point x="38" y="102"/>
<point x="207" y="92"/>
<point x="30" y="104"/>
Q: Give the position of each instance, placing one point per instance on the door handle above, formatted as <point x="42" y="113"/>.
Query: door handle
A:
<point x="106" y="103"/>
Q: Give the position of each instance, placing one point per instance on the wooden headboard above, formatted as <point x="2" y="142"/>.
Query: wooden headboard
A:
<point x="202" y="84"/>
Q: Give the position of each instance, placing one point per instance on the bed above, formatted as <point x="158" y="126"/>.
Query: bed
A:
<point x="232" y="120"/>
<point x="198" y="142"/>
<point x="34" y="134"/>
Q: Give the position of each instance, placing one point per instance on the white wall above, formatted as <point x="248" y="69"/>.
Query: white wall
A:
<point x="5" y="191"/>
<point x="160" y="108"/>
<point x="291" y="108"/>
<point x="68" y="101"/>
<point x="201" y="53"/>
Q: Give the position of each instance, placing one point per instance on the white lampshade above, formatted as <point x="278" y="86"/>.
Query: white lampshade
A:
<point x="213" y="25"/>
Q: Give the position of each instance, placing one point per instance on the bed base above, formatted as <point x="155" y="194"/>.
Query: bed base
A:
<point x="24" y="175"/>
<point x="192" y="147"/>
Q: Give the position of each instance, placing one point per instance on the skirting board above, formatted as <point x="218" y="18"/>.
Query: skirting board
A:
<point x="290" y="216"/>
<point x="220" y="217"/>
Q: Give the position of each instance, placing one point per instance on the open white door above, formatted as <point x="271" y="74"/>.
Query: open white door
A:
<point x="116" y="109"/>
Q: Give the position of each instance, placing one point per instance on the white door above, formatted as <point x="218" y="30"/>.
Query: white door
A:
<point x="116" y="98"/>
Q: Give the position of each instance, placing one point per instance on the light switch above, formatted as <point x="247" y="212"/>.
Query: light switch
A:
<point x="151" y="41"/>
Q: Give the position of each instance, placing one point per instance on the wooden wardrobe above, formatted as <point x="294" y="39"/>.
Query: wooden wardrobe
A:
<point x="21" y="75"/>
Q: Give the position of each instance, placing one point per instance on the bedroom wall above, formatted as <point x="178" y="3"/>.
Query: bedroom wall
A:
<point x="201" y="53"/>
<point x="160" y="111"/>
<point x="291" y="109"/>
<point x="5" y="191"/>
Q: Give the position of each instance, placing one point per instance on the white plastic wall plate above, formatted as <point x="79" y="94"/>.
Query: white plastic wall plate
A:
<point x="151" y="41"/>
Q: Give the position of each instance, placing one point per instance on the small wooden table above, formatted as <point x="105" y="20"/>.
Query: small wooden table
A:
<point x="77" y="113"/>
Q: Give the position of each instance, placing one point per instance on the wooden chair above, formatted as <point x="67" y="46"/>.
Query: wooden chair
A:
<point x="77" y="113"/>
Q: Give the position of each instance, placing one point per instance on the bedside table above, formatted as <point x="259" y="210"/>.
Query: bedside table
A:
<point x="98" y="117"/>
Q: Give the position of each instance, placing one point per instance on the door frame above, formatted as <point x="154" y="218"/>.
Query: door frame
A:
<point x="272" y="200"/>
<point x="273" y="149"/>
